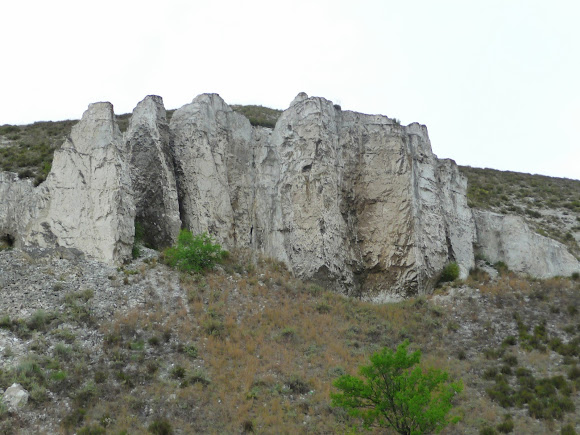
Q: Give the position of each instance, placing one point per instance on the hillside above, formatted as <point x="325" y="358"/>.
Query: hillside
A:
<point x="106" y="338"/>
<point x="248" y="348"/>
<point x="550" y="205"/>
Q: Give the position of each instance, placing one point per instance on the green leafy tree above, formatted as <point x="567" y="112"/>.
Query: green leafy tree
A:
<point x="194" y="253"/>
<point x="397" y="393"/>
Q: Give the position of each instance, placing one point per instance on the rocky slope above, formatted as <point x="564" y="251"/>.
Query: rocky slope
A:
<point x="249" y="348"/>
<point x="356" y="202"/>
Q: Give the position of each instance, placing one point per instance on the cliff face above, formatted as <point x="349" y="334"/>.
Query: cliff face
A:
<point x="355" y="201"/>
<point x="152" y="173"/>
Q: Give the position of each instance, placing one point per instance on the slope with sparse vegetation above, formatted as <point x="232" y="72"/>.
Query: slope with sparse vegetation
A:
<point x="249" y="348"/>
<point x="550" y="205"/>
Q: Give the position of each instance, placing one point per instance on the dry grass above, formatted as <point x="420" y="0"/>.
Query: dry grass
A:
<point x="249" y="347"/>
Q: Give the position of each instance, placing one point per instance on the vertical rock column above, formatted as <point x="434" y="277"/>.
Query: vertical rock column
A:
<point x="309" y="223"/>
<point x="378" y="200"/>
<point x="209" y="142"/>
<point x="90" y="202"/>
<point x="152" y="173"/>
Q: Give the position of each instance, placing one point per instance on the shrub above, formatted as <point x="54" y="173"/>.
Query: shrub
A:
<point x="510" y="340"/>
<point x="449" y="273"/>
<point x="160" y="427"/>
<point x="396" y="393"/>
<point x="92" y="429"/>
<point x="507" y="426"/>
<point x="501" y="267"/>
<point x="178" y="372"/>
<point x="568" y="430"/>
<point x="194" y="253"/>
<point x="137" y="240"/>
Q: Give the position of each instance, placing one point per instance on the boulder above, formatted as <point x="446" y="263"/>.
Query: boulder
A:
<point x="152" y="173"/>
<point x="15" y="397"/>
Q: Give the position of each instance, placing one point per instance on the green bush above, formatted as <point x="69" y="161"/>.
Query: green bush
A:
<point x="449" y="273"/>
<point x="507" y="425"/>
<point x="160" y="427"/>
<point x="568" y="430"/>
<point x="396" y="393"/>
<point x="194" y="253"/>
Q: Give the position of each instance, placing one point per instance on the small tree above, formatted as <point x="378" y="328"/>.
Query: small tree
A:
<point x="194" y="253"/>
<point x="394" y="394"/>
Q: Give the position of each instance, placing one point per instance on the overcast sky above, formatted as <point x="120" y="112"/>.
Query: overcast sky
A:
<point x="497" y="82"/>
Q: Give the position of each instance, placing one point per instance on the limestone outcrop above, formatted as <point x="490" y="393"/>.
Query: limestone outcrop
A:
<point x="209" y="140"/>
<point x="508" y="239"/>
<point x="19" y="205"/>
<point x="88" y="197"/>
<point x="357" y="202"/>
<point x="349" y="199"/>
<point x="152" y="173"/>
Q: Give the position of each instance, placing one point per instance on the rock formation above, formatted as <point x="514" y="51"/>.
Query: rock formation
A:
<point x="354" y="200"/>
<point x="19" y="205"/>
<point x="152" y="173"/>
<point x="86" y="202"/>
<point x="508" y="239"/>
<point x="357" y="202"/>
<point x="15" y="397"/>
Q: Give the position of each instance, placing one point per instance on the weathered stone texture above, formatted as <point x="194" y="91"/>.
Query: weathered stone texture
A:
<point x="152" y="173"/>
<point x="509" y="239"/>
<point x="357" y="202"/>
<point x="207" y="134"/>
<point x="19" y="205"/>
<point x="90" y="200"/>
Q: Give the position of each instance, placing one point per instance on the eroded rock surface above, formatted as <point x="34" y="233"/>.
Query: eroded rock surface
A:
<point x="508" y="238"/>
<point x="207" y="134"/>
<point x="358" y="202"/>
<point x="152" y="173"/>
<point x="19" y="205"/>
<point x="89" y="201"/>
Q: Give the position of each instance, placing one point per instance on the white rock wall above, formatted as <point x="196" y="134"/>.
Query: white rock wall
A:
<point x="508" y="238"/>
<point x="90" y="201"/>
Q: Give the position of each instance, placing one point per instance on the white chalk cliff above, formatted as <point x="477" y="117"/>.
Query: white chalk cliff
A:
<point x="357" y="202"/>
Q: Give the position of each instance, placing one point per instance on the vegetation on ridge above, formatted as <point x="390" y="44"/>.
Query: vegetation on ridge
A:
<point x="28" y="149"/>
<point x="551" y="206"/>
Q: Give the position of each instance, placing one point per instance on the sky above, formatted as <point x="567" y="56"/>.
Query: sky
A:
<point x="497" y="82"/>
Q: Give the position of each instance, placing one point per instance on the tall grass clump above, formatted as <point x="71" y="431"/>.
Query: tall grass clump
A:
<point x="194" y="253"/>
